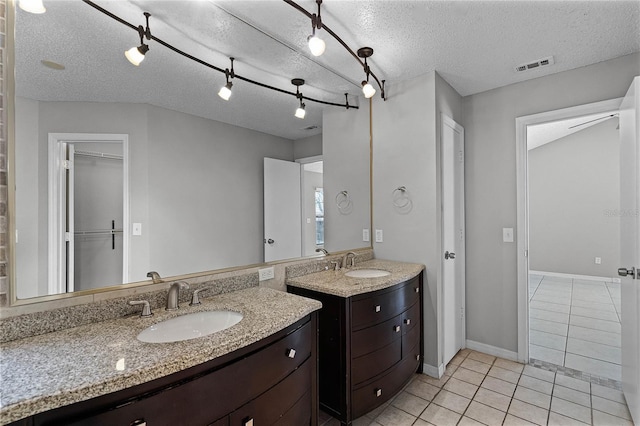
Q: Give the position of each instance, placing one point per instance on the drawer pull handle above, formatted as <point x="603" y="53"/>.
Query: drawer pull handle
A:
<point x="417" y="357"/>
<point x="417" y="289"/>
<point x="378" y="392"/>
<point x="248" y="422"/>
<point x="396" y="328"/>
<point x="291" y="353"/>
<point x="139" y="422"/>
<point x="378" y="308"/>
<point x="407" y="321"/>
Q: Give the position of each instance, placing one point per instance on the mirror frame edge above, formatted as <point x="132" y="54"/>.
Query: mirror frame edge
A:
<point x="13" y="301"/>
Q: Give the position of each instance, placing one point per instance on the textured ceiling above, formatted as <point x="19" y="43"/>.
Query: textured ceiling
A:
<point x="474" y="45"/>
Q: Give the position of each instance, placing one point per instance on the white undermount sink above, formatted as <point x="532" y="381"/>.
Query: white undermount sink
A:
<point x="367" y="273"/>
<point x="189" y="326"/>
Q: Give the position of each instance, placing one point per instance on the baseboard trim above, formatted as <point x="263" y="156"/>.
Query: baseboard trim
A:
<point x="492" y="350"/>
<point x="433" y="371"/>
<point x="579" y="277"/>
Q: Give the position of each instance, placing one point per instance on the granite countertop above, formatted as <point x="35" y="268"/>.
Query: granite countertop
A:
<point x="56" y="369"/>
<point x="336" y="283"/>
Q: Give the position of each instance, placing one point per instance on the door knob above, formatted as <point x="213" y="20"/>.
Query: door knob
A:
<point x="448" y="255"/>
<point x="623" y="272"/>
<point x="269" y="241"/>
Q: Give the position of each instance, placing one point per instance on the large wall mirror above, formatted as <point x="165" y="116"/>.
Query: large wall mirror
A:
<point x="121" y="169"/>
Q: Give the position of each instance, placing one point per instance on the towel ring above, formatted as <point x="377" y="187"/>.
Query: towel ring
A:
<point x="343" y="202"/>
<point x="400" y="197"/>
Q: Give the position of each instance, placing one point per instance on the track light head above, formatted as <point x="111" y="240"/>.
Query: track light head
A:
<point x="316" y="45"/>
<point x="225" y="91"/>
<point x="32" y="6"/>
<point x="300" y="112"/>
<point x="135" y="55"/>
<point x="368" y="90"/>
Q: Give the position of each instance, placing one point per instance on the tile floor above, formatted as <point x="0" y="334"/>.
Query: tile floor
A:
<point x="481" y="389"/>
<point x="576" y="324"/>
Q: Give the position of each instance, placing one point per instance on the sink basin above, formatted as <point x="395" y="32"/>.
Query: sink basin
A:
<point x="189" y="326"/>
<point x="367" y="273"/>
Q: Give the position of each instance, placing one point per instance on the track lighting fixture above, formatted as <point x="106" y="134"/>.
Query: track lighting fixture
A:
<point x="300" y="112"/>
<point x="316" y="44"/>
<point x="367" y="88"/>
<point x="225" y="91"/>
<point x="136" y="54"/>
<point x="32" y="6"/>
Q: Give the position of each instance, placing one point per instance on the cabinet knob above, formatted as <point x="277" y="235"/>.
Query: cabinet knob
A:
<point x="291" y="353"/>
<point x="139" y="422"/>
<point x="378" y="308"/>
<point x="418" y="357"/>
<point x="378" y="392"/>
<point x="417" y="289"/>
<point x="396" y="328"/>
<point x="407" y="321"/>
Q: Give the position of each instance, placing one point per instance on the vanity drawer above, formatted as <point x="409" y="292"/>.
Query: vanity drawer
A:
<point x="372" y="338"/>
<point x="410" y="340"/>
<point x="384" y="304"/>
<point x="271" y="406"/>
<point x="411" y="318"/>
<point x="374" y="363"/>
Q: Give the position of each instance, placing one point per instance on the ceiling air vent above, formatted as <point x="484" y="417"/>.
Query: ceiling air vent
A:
<point x="536" y="64"/>
<point x="312" y="127"/>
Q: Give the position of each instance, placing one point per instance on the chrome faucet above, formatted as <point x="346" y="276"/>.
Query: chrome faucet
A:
<point x="345" y="259"/>
<point x="319" y="249"/>
<point x="174" y="293"/>
<point x="155" y="277"/>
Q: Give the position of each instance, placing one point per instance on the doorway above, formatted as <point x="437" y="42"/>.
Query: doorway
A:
<point x="568" y="190"/>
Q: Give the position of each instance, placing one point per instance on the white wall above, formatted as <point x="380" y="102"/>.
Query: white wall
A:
<point x="406" y="153"/>
<point x="490" y="181"/>
<point x="573" y="182"/>
<point x="345" y="153"/>
<point x="307" y="147"/>
<point x="311" y="181"/>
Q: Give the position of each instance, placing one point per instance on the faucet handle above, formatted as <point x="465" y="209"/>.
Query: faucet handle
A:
<point x="336" y="265"/>
<point x="155" y="277"/>
<point x="195" y="298"/>
<point x="181" y="285"/>
<point x="146" y="309"/>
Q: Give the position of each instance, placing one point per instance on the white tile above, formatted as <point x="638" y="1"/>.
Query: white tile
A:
<point x="547" y="340"/>
<point x="452" y="401"/>
<point x="528" y="412"/>
<point x="570" y="409"/>
<point x="468" y="376"/>
<point x="492" y="399"/>
<point x="479" y="356"/>
<point x="440" y="416"/>
<point x="590" y="296"/>
<point x="515" y="421"/>
<point x="596" y="324"/>
<point x="392" y="416"/>
<point x="551" y="278"/>
<point x="461" y="388"/>
<point x="509" y="365"/>
<point x="604" y="419"/>
<point x="465" y="421"/>
<point x="532" y="397"/>
<point x="607" y="393"/>
<point x="506" y="375"/>
<point x="539" y="373"/>
<point x="556" y="419"/>
<point x="594" y="350"/>
<point x="610" y="407"/>
<point x="432" y="380"/>
<point x="548" y="290"/>
<point x="477" y="366"/>
<point x="573" y="383"/>
<point x="547" y="297"/>
<point x="549" y="316"/>
<point x="609" y="307"/>
<point x="422" y="389"/>
<point x="594" y="366"/>
<point x="553" y="307"/>
<point x="498" y="385"/>
<point x="546" y="354"/>
<point x="409" y="403"/>
<point x="572" y="395"/>
<point x="592" y="313"/>
<point x="485" y="414"/>
<point x="536" y="384"/>
<point x="597" y="336"/>
<point x="548" y="326"/>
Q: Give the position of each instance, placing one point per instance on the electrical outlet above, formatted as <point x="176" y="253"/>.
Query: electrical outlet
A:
<point x="365" y="235"/>
<point x="266" y="274"/>
<point x="598" y="260"/>
<point x="379" y="236"/>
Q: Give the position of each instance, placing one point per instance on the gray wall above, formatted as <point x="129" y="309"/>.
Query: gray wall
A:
<point x="406" y="153"/>
<point x="490" y="184"/>
<point x="345" y="153"/>
<point x="573" y="182"/>
<point x="307" y="147"/>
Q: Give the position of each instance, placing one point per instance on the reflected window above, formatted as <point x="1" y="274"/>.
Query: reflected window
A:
<point x="319" y="197"/>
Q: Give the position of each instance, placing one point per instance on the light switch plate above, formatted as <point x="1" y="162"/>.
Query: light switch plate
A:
<point x="379" y="236"/>
<point x="507" y="235"/>
<point x="365" y="235"/>
<point x="137" y="229"/>
<point x="266" y="274"/>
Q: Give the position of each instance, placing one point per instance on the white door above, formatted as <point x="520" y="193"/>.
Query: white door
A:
<point x="630" y="245"/>
<point x="453" y="273"/>
<point x="282" y="210"/>
<point x="71" y="208"/>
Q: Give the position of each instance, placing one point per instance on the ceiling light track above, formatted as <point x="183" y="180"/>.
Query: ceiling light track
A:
<point x="206" y="64"/>
<point x="316" y="22"/>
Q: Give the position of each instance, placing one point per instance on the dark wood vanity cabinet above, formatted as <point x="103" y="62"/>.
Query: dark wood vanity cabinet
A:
<point x="271" y="382"/>
<point x="370" y="345"/>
